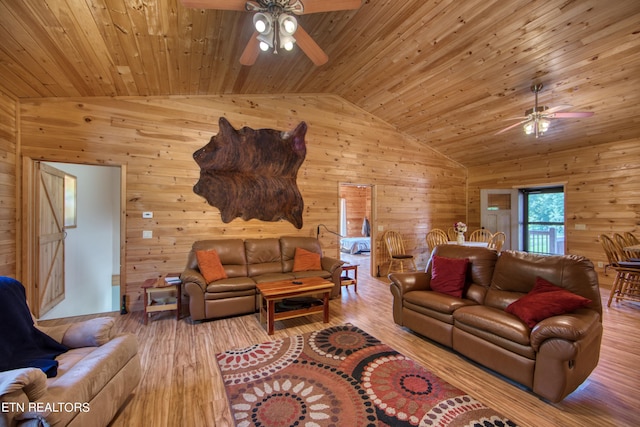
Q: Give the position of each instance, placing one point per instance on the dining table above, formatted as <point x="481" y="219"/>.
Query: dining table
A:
<point x="465" y="243"/>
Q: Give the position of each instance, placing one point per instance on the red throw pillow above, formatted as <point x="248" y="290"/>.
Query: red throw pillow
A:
<point x="304" y="260"/>
<point x="210" y="265"/>
<point x="449" y="275"/>
<point x="545" y="300"/>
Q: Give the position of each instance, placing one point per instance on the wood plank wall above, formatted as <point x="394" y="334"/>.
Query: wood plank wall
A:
<point x="416" y="188"/>
<point x="602" y="190"/>
<point x="8" y="140"/>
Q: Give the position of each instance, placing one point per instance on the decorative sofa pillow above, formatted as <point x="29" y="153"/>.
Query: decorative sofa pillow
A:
<point x="304" y="260"/>
<point x="545" y="300"/>
<point x="210" y="265"/>
<point x="449" y="275"/>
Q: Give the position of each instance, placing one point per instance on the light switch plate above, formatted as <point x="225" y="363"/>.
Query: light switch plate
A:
<point x="147" y="214"/>
<point x="147" y="234"/>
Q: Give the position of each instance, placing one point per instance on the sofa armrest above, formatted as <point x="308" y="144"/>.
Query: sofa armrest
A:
<point x="571" y="327"/>
<point x="330" y="264"/>
<point x="89" y="333"/>
<point x="31" y="381"/>
<point x="413" y="281"/>
<point x="191" y="275"/>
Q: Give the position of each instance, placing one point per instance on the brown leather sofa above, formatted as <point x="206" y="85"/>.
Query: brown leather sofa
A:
<point x="552" y="358"/>
<point x="247" y="263"/>
<point x="94" y="379"/>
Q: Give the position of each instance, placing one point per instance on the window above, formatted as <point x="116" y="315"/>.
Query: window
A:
<point x="543" y="222"/>
<point x="70" y="201"/>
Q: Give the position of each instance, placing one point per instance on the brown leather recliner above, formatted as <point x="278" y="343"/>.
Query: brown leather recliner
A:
<point x="552" y="359"/>
<point x="247" y="263"/>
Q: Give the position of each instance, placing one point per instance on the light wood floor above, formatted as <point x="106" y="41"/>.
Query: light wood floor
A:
<point x="181" y="384"/>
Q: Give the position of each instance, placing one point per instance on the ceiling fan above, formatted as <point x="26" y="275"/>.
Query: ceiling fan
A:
<point x="275" y="24"/>
<point x="537" y="119"/>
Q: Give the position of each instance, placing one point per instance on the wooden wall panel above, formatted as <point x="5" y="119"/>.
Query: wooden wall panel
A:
<point x="8" y="206"/>
<point x="156" y="137"/>
<point x="602" y="190"/>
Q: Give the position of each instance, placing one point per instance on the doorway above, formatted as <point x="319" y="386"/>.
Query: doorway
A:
<point x="499" y="212"/>
<point x="357" y="225"/>
<point x="93" y="247"/>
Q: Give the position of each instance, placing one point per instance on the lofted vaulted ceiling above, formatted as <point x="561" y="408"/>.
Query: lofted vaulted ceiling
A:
<point x="447" y="72"/>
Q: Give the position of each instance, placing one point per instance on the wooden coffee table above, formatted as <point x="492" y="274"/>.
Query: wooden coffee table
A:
<point x="273" y="292"/>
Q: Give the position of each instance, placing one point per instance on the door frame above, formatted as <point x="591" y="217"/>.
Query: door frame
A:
<point x="372" y="222"/>
<point x="28" y="240"/>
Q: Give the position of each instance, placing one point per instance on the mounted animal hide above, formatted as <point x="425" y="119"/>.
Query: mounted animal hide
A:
<point x="252" y="173"/>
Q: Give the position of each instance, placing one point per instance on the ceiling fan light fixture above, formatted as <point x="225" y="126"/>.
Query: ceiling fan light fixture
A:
<point x="528" y="128"/>
<point x="541" y="124"/>
<point x="288" y="24"/>
<point x="262" y="23"/>
<point x="263" y="46"/>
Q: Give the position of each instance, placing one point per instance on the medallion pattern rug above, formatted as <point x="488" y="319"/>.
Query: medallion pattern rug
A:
<point x="342" y="376"/>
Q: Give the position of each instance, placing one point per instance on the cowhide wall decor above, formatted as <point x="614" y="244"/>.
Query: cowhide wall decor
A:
<point x="251" y="173"/>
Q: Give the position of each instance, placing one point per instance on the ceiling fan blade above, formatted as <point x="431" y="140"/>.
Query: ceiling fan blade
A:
<point x="570" y="115"/>
<point x="557" y="108"/>
<point x="310" y="47"/>
<point x="215" y="4"/>
<point x="251" y="50"/>
<point x="512" y="126"/>
<point x="315" y="6"/>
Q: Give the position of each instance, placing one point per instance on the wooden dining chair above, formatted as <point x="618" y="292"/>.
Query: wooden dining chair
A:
<point x="451" y="234"/>
<point x="622" y="242"/>
<point x="436" y="237"/>
<point x="497" y="241"/>
<point x="626" y="283"/>
<point x="631" y="238"/>
<point x="397" y="253"/>
<point x="481" y="235"/>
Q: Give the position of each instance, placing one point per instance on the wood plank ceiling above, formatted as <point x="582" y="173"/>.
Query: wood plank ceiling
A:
<point x="446" y="72"/>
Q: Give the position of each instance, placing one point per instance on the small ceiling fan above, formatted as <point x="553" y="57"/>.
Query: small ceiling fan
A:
<point x="275" y="24"/>
<point x="536" y="120"/>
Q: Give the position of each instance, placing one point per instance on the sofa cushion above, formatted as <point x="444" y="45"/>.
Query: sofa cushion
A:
<point x="231" y="284"/>
<point x="482" y="262"/>
<point x="545" y="300"/>
<point x="305" y="260"/>
<point x="289" y="244"/>
<point x="448" y="275"/>
<point x="231" y="253"/>
<point x="516" y="272"/>
<point x="434" y="301"/>
<point x="263" y="256"/>
<point x="492" y="322"/>
<point x="210" y="265"/>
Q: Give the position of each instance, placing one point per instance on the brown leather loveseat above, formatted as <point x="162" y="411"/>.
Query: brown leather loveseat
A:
<point x="551" y="357"/>
<point x="246" y="263"/>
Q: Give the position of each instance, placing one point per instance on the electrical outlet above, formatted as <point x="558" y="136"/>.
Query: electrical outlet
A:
<point x="147" y="234"/>
<point x="381" y="228"/>
<point x="600" y="264"/>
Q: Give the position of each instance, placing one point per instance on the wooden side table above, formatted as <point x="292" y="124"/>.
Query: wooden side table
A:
<point x="346" y="280"/>
<point x="156" y="286"/>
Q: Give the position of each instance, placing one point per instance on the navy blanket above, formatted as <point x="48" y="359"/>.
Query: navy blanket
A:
<point x="22" y="345"/>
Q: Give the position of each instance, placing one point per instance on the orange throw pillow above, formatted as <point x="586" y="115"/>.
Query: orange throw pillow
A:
<point x="210" y="265"/>
<point x="303" y="260"/>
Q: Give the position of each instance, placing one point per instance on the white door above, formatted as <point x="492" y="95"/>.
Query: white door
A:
<point x="499" y="212"/>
